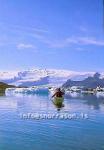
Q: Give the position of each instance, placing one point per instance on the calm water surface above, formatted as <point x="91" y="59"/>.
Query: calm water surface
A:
<point x="31" y="134"/>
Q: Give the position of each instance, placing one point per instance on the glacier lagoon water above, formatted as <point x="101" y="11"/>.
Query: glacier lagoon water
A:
<point x="48" y="134"/>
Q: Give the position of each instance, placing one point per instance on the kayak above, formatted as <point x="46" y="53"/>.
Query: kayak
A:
<point x="58" y="101"/>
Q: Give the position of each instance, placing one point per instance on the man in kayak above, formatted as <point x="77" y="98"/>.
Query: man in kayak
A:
<point x="58" y="93"/>
<point x="58" y="98"/>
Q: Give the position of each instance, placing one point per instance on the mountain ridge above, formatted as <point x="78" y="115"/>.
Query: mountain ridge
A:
<point x="41" y="76"/>
<point x="89" y="82"/>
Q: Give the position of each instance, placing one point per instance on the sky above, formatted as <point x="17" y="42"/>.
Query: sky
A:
<point x="59" y="34"/>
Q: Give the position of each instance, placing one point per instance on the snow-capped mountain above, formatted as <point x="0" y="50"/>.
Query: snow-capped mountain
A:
<point x="36" y="77"/>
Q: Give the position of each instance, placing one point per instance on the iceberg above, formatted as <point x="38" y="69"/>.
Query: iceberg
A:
<point x="32" y="90"/>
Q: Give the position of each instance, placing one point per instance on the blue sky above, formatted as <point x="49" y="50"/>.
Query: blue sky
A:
<point x="60" y="34"/>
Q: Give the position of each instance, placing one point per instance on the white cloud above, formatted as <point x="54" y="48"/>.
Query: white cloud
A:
<point x="44" y="37"/>
<point x="17" y="28"/>
<point x="79" y="49"/>
<point x="76" y="41"/>
<point x="90" y="41"/>
<point x="83" y="29"/>
<point x="25" y="46"/>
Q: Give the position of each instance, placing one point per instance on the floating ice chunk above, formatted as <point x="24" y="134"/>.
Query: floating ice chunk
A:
<point x="32" y="90"/>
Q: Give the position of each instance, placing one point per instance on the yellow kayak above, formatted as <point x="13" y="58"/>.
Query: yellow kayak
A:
<point x="58" y="101"/>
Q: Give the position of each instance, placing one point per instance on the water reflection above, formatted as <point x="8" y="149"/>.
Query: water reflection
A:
<point x="36" y="102"/>
<point x="94" y="100"/>
<point x="2" y="94"/>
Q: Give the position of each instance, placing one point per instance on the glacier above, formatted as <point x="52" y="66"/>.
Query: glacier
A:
<point x="37" y="77"/>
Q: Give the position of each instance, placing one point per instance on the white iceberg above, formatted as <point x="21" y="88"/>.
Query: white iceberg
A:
<point x="32" y="90"/>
